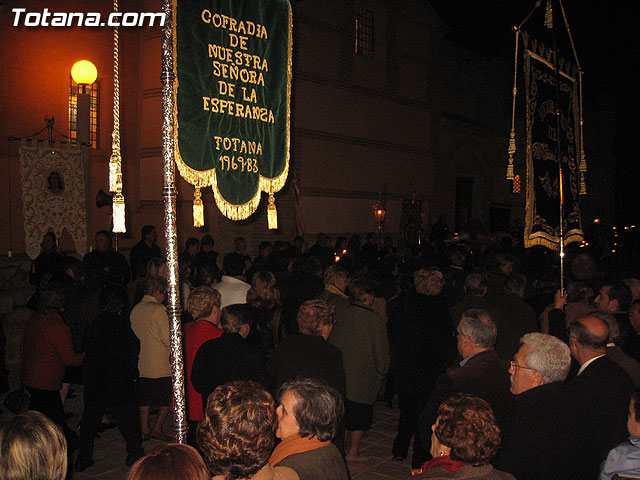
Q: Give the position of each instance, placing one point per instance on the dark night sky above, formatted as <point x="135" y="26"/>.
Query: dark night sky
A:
<point x="608" y="47"/>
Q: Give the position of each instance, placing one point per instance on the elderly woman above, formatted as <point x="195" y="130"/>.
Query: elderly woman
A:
<point x="308" y="354"/>
<point x="238" y="433"/>
<point x="308" y="417"/>
<point x="172" y="461"/>
<point x="32" y="446"/>
<point x="465" y="438"/>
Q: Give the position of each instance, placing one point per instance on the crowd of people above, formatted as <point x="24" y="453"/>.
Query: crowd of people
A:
<point x="498" y="373"/>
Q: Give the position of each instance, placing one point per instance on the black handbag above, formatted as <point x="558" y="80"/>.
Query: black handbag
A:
<point x="18" y="400"/>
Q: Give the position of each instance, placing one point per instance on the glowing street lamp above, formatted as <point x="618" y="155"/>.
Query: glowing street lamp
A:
<point x="379" y="212"/>
<point x="83" y="73"/>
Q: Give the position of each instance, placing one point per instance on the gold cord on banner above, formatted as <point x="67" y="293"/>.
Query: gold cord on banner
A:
<point x="272" y="213"/>
<point x="512" y="137"/>
<point x="115" y="161"/>
<point x="198" y="209"/>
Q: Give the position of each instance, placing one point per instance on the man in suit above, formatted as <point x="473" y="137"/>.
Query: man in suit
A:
<point x="480" y="372"/>
<point x="598" y="395"/>
<point x="538" y="371"/>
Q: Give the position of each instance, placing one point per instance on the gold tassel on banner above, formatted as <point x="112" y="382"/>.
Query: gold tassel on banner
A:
<point x="118" y="213"/>
<point x="198" y="209"/>
<point x="511" y="151"/>
<point x="115" y="168"/>
<point x="272" y="213"/>
<point x="512" y="137"/>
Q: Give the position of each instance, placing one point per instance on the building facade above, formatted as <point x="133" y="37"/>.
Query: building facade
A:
<point x="381" y="102"/>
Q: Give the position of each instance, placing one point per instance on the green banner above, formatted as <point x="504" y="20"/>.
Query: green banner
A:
<point x="232" y="61"/>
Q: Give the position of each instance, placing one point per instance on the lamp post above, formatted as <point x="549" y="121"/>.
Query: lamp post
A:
<point x="83" y="73"/>
<point x="379" y="212"/>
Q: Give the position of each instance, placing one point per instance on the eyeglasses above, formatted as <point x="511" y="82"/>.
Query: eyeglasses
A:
<point x="515" y="366"/>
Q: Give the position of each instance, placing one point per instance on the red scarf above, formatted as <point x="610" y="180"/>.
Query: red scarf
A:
<point x="444" y="462"/>
<point x="295" y="444"/>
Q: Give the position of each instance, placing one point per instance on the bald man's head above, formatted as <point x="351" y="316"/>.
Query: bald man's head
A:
<point x="590" y="332"/>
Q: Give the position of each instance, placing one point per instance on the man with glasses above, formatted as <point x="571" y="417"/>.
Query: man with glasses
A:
<point x="481" y="372"/>
<point x="538" y="443"/>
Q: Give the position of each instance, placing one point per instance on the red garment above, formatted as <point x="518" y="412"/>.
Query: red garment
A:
<point x="195" y="334"/>
<point x="445" y="462"/>
<point x="46" y="350"/>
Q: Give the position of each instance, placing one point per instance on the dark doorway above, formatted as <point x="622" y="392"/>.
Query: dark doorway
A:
<point x="464" y="201"/>
<point x="499" y="219"/>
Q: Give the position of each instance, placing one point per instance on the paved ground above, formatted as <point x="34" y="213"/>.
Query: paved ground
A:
<point x="110" y="453"/>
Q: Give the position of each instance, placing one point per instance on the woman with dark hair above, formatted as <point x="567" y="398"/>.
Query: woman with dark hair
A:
<point x="308" y="418"/>
<point x="465" y="439"/>
<point x="265" y="313"/>
<point x="172" y="461"/>
<point x="32" y="447"/>
<point x="237" y="433"/>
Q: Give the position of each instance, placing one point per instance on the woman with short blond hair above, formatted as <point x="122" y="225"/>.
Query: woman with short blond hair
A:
<point x="32" y="447"/>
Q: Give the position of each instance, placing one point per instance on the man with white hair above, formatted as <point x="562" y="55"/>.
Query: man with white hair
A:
<point x="538" y="443"/>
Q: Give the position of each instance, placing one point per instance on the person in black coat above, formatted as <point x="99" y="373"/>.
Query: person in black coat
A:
<point x="599" y="395"/>
<point x="228" y="357"/>
<point x="421" y="331"/>
<point x="309" y="355"/>
<point x="528" y="450"/>
<point x="110" y="369"/>
<point x="143" y="251"/>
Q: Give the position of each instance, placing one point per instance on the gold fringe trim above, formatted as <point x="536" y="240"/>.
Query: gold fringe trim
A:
<point x="230" y="210"/>
<point x="207" y="178"/>
<point x="552" y="242"/>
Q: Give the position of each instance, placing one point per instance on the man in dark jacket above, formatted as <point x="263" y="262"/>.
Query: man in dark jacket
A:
<point x="480" y="372"/>
<point x="598" y="395"/>
<point x="228" y="357"/>
<point x="110" y="369"/>
<point x="143" y="251"/>
<point x="517" y="317"/>
<point x="537" y="374"/>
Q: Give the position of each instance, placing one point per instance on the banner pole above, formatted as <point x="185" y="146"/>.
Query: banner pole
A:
<point x="558" y="151"/>
<point x="169" y="194"/>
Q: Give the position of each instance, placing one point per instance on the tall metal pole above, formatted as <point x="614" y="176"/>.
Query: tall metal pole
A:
<point x="558" y="150"/>
<point x="169" y="194"/>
